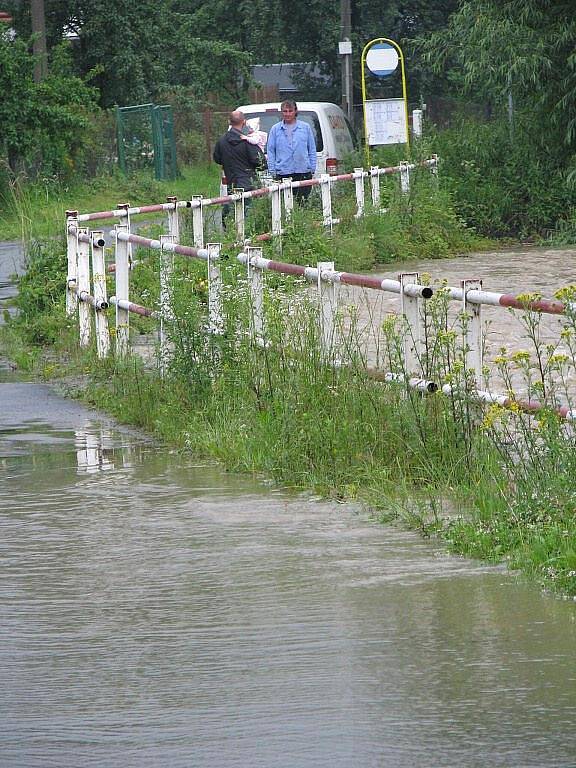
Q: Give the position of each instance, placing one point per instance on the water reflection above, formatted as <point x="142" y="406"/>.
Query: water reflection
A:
<point x="94" y="452"/>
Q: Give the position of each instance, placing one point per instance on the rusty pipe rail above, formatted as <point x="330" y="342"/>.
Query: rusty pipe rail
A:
<point x="332" y="276"/>
<point x="130" y="306"/>
<point x="120" y="213"/>
<point x="511" y="301"/>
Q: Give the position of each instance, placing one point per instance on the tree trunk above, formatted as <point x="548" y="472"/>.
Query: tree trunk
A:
<point x="39" y="44"/>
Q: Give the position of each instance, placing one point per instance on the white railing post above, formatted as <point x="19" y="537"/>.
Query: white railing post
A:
<point x="198" y="220"/>
<point x="473" y="326"/>
<point x="173" y="220"/>
<point x="326" y="193"/>
<point x="72" y="254"/>
<point x="410" y="309"/>
<point x="166" y="310"/>
<point x="215" y="314"/>
<point x="359" y="182"/>
<point x="404" y="177"/>
<point x="239" y="215"/>
<point x="328" y="299"/>
<point x="288" y="198"/>
<point x="417" y="123"/>
<point x="276" y="200"/>
<point x="434" y="167"/>
<point x="84" y="315"/>
<point x="122" y="259"/>
<point x="100" y="295"/>
<point x="256" y="286"/>
<point x="375" y="186"/>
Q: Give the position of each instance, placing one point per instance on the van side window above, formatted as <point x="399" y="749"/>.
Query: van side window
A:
<point x="352" y="132"/>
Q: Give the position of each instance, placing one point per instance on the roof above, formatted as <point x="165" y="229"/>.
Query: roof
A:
<point x="286" y="76"/>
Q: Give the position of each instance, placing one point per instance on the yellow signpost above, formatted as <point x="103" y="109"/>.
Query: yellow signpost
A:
<point x="385" y="120"/>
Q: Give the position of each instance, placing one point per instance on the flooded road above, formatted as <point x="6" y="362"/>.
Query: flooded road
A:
<point x="155" y="611"/>
<point x="11" y="264"/>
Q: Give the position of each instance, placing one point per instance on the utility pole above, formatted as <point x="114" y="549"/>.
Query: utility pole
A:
<point x="345" y="51"/>
<point x="39" y="44"/>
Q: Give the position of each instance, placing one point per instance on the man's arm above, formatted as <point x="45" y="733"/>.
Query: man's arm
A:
<point x="312" y="156"/>
<point x="271" y="150"/>
<point x="216" y="156"/>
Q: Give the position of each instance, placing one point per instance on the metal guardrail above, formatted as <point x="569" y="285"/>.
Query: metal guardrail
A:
<point x="86" y="266"/>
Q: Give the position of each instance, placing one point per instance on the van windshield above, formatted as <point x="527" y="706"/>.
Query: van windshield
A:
<point x="263" y="121"/>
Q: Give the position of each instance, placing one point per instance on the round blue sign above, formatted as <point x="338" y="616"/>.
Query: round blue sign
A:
<point x="382" y="59"/>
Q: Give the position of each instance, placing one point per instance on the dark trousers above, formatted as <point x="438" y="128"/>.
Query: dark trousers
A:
<point x="228" y="209"/>
<point x="300" y="193"/>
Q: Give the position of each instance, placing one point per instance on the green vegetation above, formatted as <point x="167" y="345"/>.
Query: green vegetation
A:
<point x="35" y="210"/>
<point x="499" y="76"/>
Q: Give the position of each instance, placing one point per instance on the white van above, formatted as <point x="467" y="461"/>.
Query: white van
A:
<point x="333" y="132"/>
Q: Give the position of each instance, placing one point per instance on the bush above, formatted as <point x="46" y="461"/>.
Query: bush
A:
<point x="45" y="126"/>
<point x="41" y="300"/>
<point x="503" y="186"/>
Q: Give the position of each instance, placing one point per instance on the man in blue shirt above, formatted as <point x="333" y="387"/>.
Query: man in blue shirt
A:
<point x="292" y="149"/>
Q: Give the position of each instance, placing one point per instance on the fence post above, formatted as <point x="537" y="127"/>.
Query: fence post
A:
<point x="239" y="215"/>
<point x="122" y="258"/>
<point x="84" y="318"/>
<point x="173" y="220"/>
<point x="359" y="182"/>
<point x="410" y="309"/>
<point x="72" y="254"/>
<point x="166" y="310"/>
<point x="326" y="200"/>
<point x="375" y="186"/>
<point x="276" y="199"/>
<point x="256" y="285"/>
<point x="198" y="221"/>
<point x="100" y="295"/>
<point x="215" y="316"/>
<point x="473" y="325"/>
<point x="288" y="198"/>
<point x="417" y="122"/>
<point x="404" y="177"/>
<point x="328" y="297"/>
<point x="434" y="167"/>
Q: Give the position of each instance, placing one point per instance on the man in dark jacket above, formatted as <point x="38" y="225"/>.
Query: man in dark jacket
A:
<point x="239" y="158"/>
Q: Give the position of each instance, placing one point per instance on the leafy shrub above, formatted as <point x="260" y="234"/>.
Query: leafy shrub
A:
<point x="46" y="125"/>
<point x="41" y="300"/>
<point x="502" y="185"/>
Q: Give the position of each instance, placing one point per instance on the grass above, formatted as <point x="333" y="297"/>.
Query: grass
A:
<point x="36" y="210"/>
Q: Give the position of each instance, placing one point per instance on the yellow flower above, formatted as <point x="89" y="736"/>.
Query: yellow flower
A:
<point x="520" y="357"/>
<point x="529" y="297"/>
<point x="492" y="415"/>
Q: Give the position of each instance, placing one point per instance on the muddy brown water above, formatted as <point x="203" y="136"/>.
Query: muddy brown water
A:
<point x="530" y="269"/>
<point x="155" y="611"/>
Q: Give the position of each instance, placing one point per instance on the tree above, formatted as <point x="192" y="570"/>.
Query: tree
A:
<point x="525" y="47"/>
<point x="137" y="51"/>
<point x="134" y="53"/>
<point x="44" y="125"/>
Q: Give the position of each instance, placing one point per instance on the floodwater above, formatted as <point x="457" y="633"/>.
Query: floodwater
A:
<point x="11" y="264"/>
<point x="516" y="271"/>
<point x="158" y="612"/>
